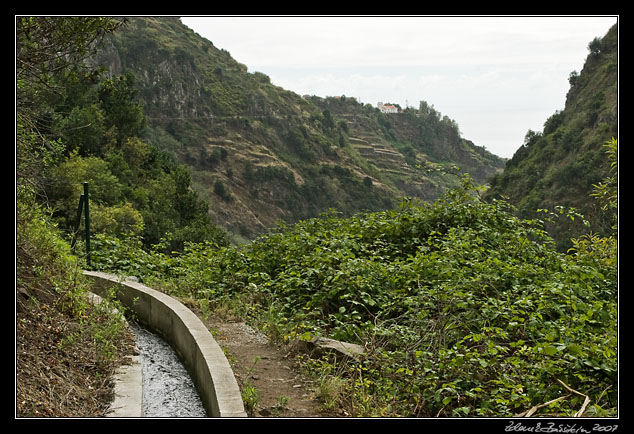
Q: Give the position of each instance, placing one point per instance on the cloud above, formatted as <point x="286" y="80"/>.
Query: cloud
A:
<point x="368" y="41"/>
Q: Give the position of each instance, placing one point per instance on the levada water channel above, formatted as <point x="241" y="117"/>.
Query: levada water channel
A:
<point x="168" y="390"/>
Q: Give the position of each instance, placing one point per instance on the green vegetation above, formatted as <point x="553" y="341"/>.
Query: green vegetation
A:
<point x="66" y="347"/>
<point x="464" y="309"/>
<point x="95" y="123"/>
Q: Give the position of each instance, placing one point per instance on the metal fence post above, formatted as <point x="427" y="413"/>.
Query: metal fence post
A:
<point x="80" y="209"/>
<point x="87" y="223"/>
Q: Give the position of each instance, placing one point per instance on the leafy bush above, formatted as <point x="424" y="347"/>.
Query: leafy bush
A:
<point x="464" y="309"/>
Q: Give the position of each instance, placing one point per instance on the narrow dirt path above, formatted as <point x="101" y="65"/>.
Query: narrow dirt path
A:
<point x="270" y="379"/>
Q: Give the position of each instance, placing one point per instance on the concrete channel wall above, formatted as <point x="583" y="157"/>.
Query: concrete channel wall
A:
<point x="186" y="333"/>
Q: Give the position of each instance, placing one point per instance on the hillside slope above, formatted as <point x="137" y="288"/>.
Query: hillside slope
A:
<point x="560" y="165"/>
<point x="259" y="153"/>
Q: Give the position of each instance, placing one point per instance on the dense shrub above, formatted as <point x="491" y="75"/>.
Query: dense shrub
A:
<point x="464" y="309"/>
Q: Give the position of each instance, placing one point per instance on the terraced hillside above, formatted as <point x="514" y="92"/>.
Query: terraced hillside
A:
<point x="259" y="153"/>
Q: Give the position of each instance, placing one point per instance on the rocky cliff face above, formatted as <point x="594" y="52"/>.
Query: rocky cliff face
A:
<point x="259" y="153"/>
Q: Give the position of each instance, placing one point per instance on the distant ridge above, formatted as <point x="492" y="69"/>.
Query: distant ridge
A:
<point x="259" y="153"/>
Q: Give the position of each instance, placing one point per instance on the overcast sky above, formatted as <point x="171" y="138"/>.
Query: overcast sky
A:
<point x="497" y="77"/>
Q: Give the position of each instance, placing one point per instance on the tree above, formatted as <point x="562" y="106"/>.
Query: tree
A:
<point x="328" y="121"/>
<point x="65" y="185"/>
<point x="46" y="48"/>
<point x="119" y="220"/>
<point x="74" y="127"/>
<point x="120" y="108"/>
<point x="531" y="137"/>
<point x="220" y="190"/>
<point x="300" y="146"/>
<point x="82" y="129"/>
<point x="595" y="46"/>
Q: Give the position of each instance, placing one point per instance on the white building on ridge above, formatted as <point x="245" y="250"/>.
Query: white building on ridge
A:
<point x="386" y="108"/>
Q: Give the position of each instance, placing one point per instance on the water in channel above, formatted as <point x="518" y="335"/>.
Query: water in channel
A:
<point x="168" y="390"/>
